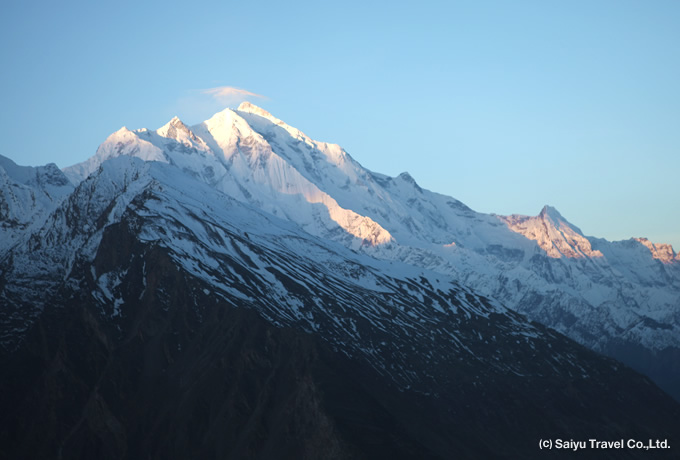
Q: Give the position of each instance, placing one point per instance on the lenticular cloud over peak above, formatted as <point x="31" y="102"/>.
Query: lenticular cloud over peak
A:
<point x="230" y="94"/>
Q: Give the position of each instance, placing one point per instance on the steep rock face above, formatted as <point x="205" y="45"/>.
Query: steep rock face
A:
<point x="608" y="296"/>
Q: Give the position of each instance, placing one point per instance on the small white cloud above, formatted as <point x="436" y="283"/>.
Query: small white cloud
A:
<point x="229" y="95"/>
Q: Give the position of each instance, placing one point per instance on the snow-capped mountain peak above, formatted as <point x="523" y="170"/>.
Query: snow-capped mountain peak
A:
<point x="176" y="130"/>
<point x="151" y="278"/>
<point x="549" y="212"/>
<point x="249" y="108"/>
<point x="237" y="153"/>
<point x="660" y="251"/>
<point x="121" y="142"/>
<point x="541" y="265"/>
<point x="252" y="108"/>
<point x="224" y="131"/>
<point x="553" y="233"/>
<point x="27" y="195"/>
<point x="169" y="129"/>
<point x="406" y="177"/>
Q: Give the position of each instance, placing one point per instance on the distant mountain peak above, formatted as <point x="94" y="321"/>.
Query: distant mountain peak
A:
<point x="540" y="264"/>
<point x="247" y="107"/>
<point x="175" y="121"/>
<point x="406" y="177"/>
<point x="553" y="233"/>
<point x="551" y="214"/>
<point x="175" y="129"/>
<point x="660" y="251"/>
<point x="252" y="108"/>
<point x="550" y="211"/>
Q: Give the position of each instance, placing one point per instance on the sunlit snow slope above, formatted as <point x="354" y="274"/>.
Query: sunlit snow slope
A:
<point x="621" y="298"/>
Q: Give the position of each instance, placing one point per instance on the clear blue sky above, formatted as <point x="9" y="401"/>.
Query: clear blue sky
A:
<point x="505" y="105"/>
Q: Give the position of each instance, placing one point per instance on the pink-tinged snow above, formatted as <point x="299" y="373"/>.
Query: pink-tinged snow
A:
<point x="251" y="156"/>
<point x="557" y="237"/>
<point x="227" y="153"/>
<point x="660" y="251"/>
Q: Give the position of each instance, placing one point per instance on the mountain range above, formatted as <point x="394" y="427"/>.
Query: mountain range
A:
<point x="235" y="289"/>
<point x="617" y="298"/>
